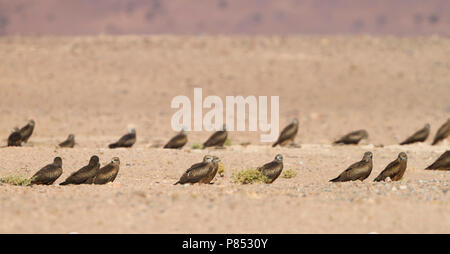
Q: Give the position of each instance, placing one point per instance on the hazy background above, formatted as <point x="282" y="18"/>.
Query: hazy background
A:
<point x="80" y="17"/>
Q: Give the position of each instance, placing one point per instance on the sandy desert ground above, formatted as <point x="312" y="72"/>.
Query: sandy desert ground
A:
<point x="95" y="87"/>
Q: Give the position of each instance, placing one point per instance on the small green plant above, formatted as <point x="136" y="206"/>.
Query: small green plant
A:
<point x="249" y="176"/>
<point x="289" y="173"/>
<point x="221" y="170"/>
<point x="227" y="142"/>
<point x="16" y="180"/>
<point x="197" y="146"/>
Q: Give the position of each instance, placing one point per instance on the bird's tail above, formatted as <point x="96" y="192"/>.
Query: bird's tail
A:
<point x="335" y="179"/>
<point x="31" y="182"/>
<point x="378" y="179"/>
<point x="275" y="144"/>
<point x="64" y="183"/>
<point x="434" y="142"/>
<point x="176" y="183"/>
<point x="337" y="141"/>
<point x="113" y="145"/>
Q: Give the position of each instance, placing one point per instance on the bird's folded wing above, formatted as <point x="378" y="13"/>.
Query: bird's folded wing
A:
<point x="391" y="169"/>
<point x="287" y="132"/>
<point x="442" y="162"/>
<point x="270" y="169"/>
<point x="198" y="173"/>
<point x="217" y="137"/>
<point x="196" y="166"/>
<point x="178" y="140"/>
<point x="357" y="169"/>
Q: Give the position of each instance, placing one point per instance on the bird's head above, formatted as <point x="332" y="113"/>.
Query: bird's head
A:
<point x="57" y="161"/>
<point x="31" y="122"/>
<point x="71" y="137"/>
<point x="94" y="160"/>
<point x="115" y="161"/>
<point x="208" y="158"/>
<point x="367" y="156"/>
<point x="402" y="156"/>
<point x="295" y="121"/>
<point x="279" y="157"/>
<point x="224" y="127"/>
<point x="427" y="126"/>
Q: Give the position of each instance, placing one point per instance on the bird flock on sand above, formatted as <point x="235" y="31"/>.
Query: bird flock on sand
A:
<point x="205" y="171"/>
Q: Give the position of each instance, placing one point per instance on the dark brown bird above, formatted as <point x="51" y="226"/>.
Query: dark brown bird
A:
<point x="108" y="173"/>
<point x="272" y="170"/>
<point x="442" y="132"/>
<point x="197" y="172"/>
<point x="217" y="139"/>
<point x="419" y="136"/>
<point x="178" y="141"/>
<point x="48" y="174"/>
<point x="15" y="139"/>
<point x="212" y="173"/>
<point x="126" y="140"/>
<point x="394" y="170"/>
<point x="353" y="137"/>
<point x="442" y="163"/>
<point x="69" y="142"/>
<point x="85" y="174"/>
<point x="357" y="171"/>
<point x="26" y="131"/>
<point x="287" y="134"/>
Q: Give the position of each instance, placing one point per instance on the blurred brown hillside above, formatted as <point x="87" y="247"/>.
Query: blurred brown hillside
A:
<point x="75" y="17"/>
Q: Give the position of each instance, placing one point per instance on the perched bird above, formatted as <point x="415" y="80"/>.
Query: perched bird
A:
<point x="442" y="163"/>
<point x="212" y="173"/>
<point x="394" y="170"/>
<point x="197" y="172"/>
<point x="287" y="134"/>
<point x="15" y="139"/>
<point x="272" y="170"/>
<point x="69" y="142"/>
<point x="217" y="139"/>
<point x="178" y="141"/>
<point x="442" y="133"/>
<point x="357" y="171"/>
<point x="85" y="174"/>
<point x="419" y="136"/>
<point x="48" y="174"/>
<point x="353" y="137"/>
<point x="126" y="140"/>
<point x="27" y="130"/>
<point x="107" y="173"/>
